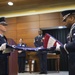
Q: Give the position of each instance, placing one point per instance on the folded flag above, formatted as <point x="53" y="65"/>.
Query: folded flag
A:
<point x="50" y="41"/>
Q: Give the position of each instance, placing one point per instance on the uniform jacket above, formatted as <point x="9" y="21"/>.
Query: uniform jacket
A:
<point x="38" y="41"/>
<point x="70" y="46"/>
<point x="2" y="40"/>
<point x="22" y="54"/>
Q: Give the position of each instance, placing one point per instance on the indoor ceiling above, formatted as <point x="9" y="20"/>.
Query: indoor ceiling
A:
<point x="25" y="7"/>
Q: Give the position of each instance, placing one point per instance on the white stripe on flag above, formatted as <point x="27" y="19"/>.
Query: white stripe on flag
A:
<point x="51" y="42"/>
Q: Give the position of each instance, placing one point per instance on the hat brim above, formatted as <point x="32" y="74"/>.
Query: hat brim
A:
<point x="64" y="18"/>
<point x="4" y="24"/>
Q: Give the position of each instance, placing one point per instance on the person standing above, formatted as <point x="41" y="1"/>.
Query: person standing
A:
<point x="3" y="42"/>
<point x="38" y="42"/>
<point x="21" y="56"/>
<point x="69" y="47"/>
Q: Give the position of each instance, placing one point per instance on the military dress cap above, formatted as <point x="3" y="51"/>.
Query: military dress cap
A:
<point x="2" y="21"/>
<point x="66" y="13"/>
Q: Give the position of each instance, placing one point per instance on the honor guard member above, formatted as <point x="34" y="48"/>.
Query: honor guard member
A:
<point x="41" y="54"/>
<point x="38" y="42"/>
<point x="3" y="41"/>
<point x="69" y="47"/>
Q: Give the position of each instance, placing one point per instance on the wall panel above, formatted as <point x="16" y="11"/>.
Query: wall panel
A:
<point x="49" y="16"/>
<point x="27" y="33"/>
<point x="11" y="20"/>
<point x="24" y="19"/>
<point x="11" y="34"/>
<point x="28" y="25"/>
<point x="11" y="27"/>
<point x="49" y="23"/>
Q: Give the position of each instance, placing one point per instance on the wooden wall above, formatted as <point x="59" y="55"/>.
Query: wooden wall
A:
<point x="27" y="27"/>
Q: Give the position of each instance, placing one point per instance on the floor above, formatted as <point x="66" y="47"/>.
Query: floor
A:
<point x="49" y="73"/>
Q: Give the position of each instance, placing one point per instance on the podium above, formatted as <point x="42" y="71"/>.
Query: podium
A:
<point x="13" y="63"/>
<point x="12" y="59"/>
<point x="9" y="63"/>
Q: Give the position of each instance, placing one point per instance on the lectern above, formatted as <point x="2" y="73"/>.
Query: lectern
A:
<point x="9" y="63"/>
<point x="13" y="63"/>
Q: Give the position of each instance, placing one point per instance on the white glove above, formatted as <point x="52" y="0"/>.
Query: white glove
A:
<point x="3" y="46"/>
<point x="57" y="47"/>
<point x="19" y="51"/>
<point x="13" y="46"/>
<point x="66" y="49"/>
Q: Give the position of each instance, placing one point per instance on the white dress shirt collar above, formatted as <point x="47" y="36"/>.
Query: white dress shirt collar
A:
<point x="1" y="35"/>
<point x="39" y="35"/>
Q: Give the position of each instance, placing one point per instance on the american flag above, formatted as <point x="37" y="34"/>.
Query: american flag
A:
<point x="50" y="41"/>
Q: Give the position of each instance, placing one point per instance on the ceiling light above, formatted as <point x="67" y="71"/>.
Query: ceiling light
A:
<point x="10" y="3"/>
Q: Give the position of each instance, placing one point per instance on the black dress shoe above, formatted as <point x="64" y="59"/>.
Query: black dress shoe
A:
<point x="22" y="71"/>
<point x="43" y="73"/>
<point x="40" y="72"/>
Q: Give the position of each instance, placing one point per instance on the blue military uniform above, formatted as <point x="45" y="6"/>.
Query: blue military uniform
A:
<point x="38" y="42"/>
<point x="3" y="58"/>
<point x="70" y="46"/>
<point x="2" y="39"/>
<point x="41" y="54"/>
<point x="21" y="59"/>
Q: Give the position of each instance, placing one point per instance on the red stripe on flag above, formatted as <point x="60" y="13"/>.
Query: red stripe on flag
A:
<point x="48" y="42"/>
<point x="46" y="38"/>
<point x="55" y="43"/>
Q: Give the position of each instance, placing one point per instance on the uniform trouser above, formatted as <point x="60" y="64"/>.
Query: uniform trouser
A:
<point x="43" y="60"/>
<point x="72" y="64"/>
<point x="21" y="64"/>
<point x="3" y="65"/>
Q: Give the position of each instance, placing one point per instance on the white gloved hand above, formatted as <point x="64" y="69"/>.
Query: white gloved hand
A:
<point x="19" y="51"/>
<point x="3" y="46"/>
<point x="57" y="47"/>
<point x="13" y="46"/>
